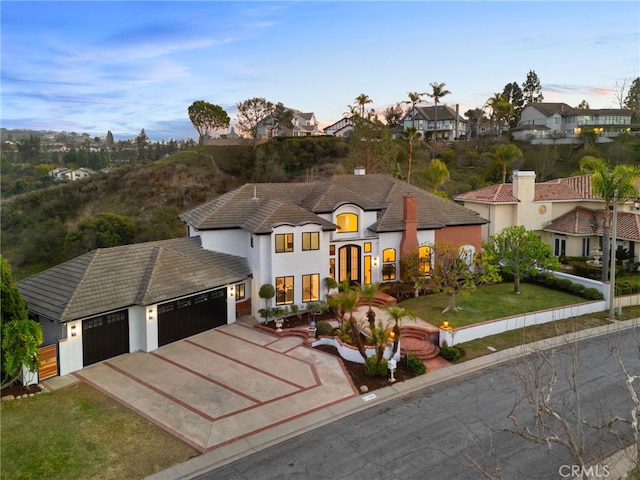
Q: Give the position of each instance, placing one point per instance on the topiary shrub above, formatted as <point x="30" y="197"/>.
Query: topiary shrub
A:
<point x="450" y="354"/>
<point x="324" y="328"/>
<point x="415" y="365"/>
<point x="375" y="369"/>
<point x="576" y="288"/>
<point x="591" y="294"/>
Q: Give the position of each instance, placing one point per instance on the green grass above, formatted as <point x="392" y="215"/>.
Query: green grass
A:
<point x="488" y="303"/>
<point x="80" y="433"/>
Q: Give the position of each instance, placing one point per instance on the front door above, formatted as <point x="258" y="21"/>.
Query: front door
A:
<point x="349" y="263"/>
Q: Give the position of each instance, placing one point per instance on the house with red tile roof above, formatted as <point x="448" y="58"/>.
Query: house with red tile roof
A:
<point x="565" y="212"/>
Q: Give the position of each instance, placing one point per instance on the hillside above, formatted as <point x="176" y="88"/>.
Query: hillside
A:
<point x="37" y="226"/>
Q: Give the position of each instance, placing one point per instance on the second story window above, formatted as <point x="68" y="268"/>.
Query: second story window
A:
<point x="311" y="241"/>
<point x="347" y="222"/>
<point x="284" y="242"/>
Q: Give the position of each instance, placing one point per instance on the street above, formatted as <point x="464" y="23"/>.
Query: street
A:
<point x="440" y="431"/>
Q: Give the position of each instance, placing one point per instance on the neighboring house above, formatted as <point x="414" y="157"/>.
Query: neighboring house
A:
<point x="69" y="174"/>
<point x="564" y="212"/>
<point x="558" y="122"/>
<point x="450" y="125"/>
<point x="291" y="235"/>
<point x="342" y="128"/>
<point x="134" y="297"/>
<point x="303" y="125"/>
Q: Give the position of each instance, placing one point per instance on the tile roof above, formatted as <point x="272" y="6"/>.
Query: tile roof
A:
<point x="586" y="222"/>
<point x="302" y="202"/>
<point x="141" y="274"/>
<point x="561" y="189"/>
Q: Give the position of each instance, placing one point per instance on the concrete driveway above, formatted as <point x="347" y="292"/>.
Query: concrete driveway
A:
<point x="223" y="385"/>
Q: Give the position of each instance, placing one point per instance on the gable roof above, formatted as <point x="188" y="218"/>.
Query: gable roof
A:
<point x="251" y="207"/>
<point x="444" y="112"/>
<point x="561" y="189"/>
<point x="548" y="109"/>
<point x="586" y="222"/>
<point x="141" y="274"/>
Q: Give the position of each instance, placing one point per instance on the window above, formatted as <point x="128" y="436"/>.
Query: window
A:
<point x="586" y="247"/>
<point x="332" y="268"/>
<point x="424" y="260"/>
<point x="284" y="242"/>
<point x="284" y="290"/>
<point x="347" y="222"/>
<point x="332" y="249"/>
<point x="560" y="247"/>
<point x="367" y="269"/>
<point x="388" y="264"/>
<point x="467" y="253"/>
<point x="367" y="247"/>
<point x="311" y="287"/>
<point x="240" y="293"/>
<point x="311" y="241"/>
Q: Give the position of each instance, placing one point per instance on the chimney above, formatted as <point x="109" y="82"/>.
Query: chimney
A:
<point x="524" y="185"/>
<point x="409" y="241"/>
<point x="359" y="171"/>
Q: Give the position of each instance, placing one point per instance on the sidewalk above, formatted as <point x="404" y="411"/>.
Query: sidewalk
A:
<point x="264" y="439"/>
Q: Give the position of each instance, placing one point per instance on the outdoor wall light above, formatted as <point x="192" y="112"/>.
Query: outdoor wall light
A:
<point x="73" y="331"/>
<point x="375" y="261"/>
<point x="232" y="291"/>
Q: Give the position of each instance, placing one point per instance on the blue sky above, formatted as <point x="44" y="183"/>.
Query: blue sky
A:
<point x="124" y="66"/>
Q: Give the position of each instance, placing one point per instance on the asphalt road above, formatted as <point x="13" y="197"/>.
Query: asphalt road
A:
<point x="437" y="432"/>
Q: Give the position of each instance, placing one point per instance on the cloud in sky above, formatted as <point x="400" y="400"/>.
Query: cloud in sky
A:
<point x="123" y="66"/>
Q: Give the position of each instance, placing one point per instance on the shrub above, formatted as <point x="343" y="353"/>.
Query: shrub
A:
<point x="415" y="365"/>
<point x="324" y="328"/>
<point x="375" y="369"/>
<point x="450" y="353"/>
<point x="564" y="283"/>
<point x="624" y="288"/>
<point x="591" y="294"/>
<point x="576" y="288"/>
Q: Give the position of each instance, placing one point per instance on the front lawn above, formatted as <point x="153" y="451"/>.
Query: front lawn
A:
<point x="488" y="303"/>
<point x="77" y="433"/>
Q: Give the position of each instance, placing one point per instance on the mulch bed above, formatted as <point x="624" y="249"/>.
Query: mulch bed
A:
<point x="19" y="389"/>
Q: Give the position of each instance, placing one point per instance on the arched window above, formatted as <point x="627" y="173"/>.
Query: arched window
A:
<point x="347" y="222"/>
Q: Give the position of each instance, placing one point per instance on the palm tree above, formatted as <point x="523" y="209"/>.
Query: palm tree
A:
<point x="411" y="135"/>
<point x="609" y="183"/>
<point x="414" y="99"/>
<point x="397" y="314"/>
<point x="437" y="92"/>
<point x="368" y="294"/>
<point x="500" y="108"/>
<point x="362" y="100"/>
<point x="505" y="154"/>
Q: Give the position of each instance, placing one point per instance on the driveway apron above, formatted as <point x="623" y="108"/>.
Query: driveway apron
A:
<point x="223" y="385"/>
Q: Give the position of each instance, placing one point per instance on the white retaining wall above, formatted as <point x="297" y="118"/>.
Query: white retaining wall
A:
<point x="350" y="353"/>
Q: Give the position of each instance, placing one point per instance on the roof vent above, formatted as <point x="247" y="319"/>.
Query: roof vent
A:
<point x="359" y="171"/>
<point x="255" y="193"/>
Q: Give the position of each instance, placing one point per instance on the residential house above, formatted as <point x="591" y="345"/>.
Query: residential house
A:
<point x="448" y="124"/>
<point x="565" y="212"/>
<point x="303" y="125"/>
<point x="67" y="174"/>
<point x="291" y="235"/>
<point x="342" y="128"/>
<point x="558" y="122"/>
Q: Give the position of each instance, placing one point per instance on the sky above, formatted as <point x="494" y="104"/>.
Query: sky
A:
<point x="121" y="66"/>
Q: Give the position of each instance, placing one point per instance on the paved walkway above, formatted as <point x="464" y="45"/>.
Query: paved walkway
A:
<point x="223" y="385"/>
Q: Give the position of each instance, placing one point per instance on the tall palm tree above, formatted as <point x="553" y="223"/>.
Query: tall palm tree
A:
<point x="606" y="182"/>
<point x="361" y="101"/>
<point x="505" y="154"/>
<point x="414" y="99"/>
<point x="411" y="135"/>
<point x="368" y="294"/>
<point x="500" y="109"/>
<point x="437" y="92"/>
<point x="397" y="314"/>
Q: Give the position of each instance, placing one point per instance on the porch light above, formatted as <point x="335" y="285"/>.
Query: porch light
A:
<point x="232" y="291"/>
<point x="73" y="331"/>
<point x="150" y="314"/>
<point x="445" y="325"/>
<point x="375" y="261"/>
<point x="391" y="337"/>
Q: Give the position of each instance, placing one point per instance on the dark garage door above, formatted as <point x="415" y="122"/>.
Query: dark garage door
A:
<point x="189" y="316"/>
<point x="105" y="337"/>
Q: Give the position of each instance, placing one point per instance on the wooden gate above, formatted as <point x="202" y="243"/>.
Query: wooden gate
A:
<point x="48" y="362"/>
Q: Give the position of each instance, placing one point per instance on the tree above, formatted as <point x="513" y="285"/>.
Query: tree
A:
<point x="436" y="173"/>
<point x="397" y="315"/>
<point x="368" y="293"/>
<point x="142" y="142"/>
<point x="584" y="105"/>
<point x="266" y="292"/>
<point x="531" y="89"/>
<point x="251" y="113"/>
<point x="411" y="135"/>
<point x="503" y="156"/>
<point x="437" y="92"/>
<point x="393" y="115"/>
<point x="414" y="99"/>
<point x="360" y="103"/>
<point x="608" y="182"/>
<point x="282" y="117"/>
<point x="513" y="93"/>
<point x="632" y="100"/>
<point x="475" y="116"/>
<point x="110" y="143"/>
<point x="105" y="230"/>
<point x="500" y="111"/>
<point x="515" y="250"/>
<point x="20" y="336"/>
<point x="206" y="118"/>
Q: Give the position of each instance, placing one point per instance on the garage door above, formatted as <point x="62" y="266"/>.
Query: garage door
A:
<point x="105" y="337"/>
<point x="189" y="316"/>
